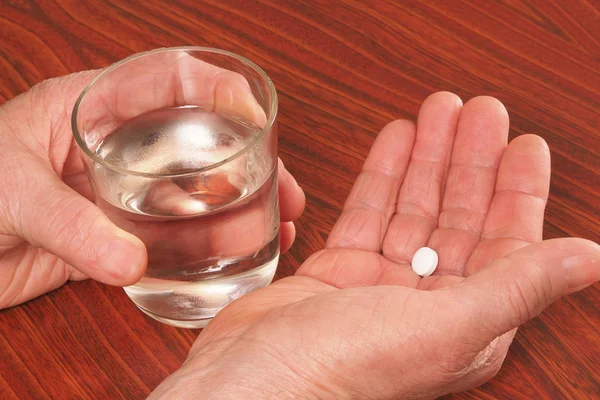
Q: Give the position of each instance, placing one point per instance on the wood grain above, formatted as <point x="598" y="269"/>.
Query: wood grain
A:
<point x="343" y="69"/>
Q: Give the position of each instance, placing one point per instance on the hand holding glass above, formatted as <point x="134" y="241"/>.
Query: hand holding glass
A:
<point x="180" y="148"/>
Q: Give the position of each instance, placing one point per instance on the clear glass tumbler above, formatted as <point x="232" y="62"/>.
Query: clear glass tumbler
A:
<point x="180" y="149"/>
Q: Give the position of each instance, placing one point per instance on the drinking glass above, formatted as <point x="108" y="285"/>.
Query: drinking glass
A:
<point x="180" y="149"/>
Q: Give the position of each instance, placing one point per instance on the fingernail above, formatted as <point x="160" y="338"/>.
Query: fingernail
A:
<point x="581" y="270"/>
<point x="119" y="258"/>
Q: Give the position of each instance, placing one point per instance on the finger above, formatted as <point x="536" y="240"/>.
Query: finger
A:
<point x="514" y="289"/>
<point x="242" y="236"/>
<point x="181" y="196"/>
<point x="372" y="200"/>
<point x="419" y="199"/>
<point x="481" y="138"/>
<point x="346" y="268"/>
<point x="291" y="196"/>
<point x="216" y="89"/>
<point x="51" y="215"/>
<point x="516" y="215"/>
<point x="166" y="80"/>
<point x="245" y="231"/>
<point x="167" y="198"/>
<point x="287" y="235"/>
<point x="52" y="116"/>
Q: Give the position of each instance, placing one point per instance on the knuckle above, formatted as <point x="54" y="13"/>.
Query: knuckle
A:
<point x="528" y="294"/>
<point x="229" y="86"/>
<point x="372" y="191"/>
<point x="518" y="302"/>
<point x="73" y="225"/>
<point x="311" y="266"/>
<point x="358" y="229"/>
<point x="15" y="193"/>
<point x="234" y="79"/>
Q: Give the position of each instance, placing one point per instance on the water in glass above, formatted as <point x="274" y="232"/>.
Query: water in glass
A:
<point x="211" y="237"/>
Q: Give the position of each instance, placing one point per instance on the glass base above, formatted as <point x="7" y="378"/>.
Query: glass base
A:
<point x="189" y="324"/>
<point x="194" y="304"/>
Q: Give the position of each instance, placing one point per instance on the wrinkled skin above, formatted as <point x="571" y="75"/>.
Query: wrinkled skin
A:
<point x="50" y="231"/>
<point x="355" y="321"/>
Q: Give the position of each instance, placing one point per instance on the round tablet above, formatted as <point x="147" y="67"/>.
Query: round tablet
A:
<point x="424" y="261"/>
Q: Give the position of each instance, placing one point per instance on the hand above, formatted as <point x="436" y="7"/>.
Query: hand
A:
<point x="356" y="322"/>
<point x="50" y="231"/>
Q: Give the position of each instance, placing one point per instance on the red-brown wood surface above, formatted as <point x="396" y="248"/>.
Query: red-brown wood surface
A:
<point x="343" y="69"/>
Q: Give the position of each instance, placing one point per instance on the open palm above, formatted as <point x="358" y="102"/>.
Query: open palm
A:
<point x="452" y="184"/>
<point x="356" y="322"/>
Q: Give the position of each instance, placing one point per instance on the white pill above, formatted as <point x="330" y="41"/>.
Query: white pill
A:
<point x="424" y="261"/>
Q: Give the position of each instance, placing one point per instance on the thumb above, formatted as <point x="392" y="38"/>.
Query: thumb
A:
<point x="49" y="214"/>
<point x="514" y="289"/>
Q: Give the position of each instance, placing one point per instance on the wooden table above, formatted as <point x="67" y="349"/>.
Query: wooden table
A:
<point x="343" y="69"/>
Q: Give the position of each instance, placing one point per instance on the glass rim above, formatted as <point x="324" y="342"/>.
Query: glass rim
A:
<point x="272" y="110"/>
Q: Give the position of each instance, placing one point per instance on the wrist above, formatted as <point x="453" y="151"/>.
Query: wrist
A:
<point x="238" y="373"/>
